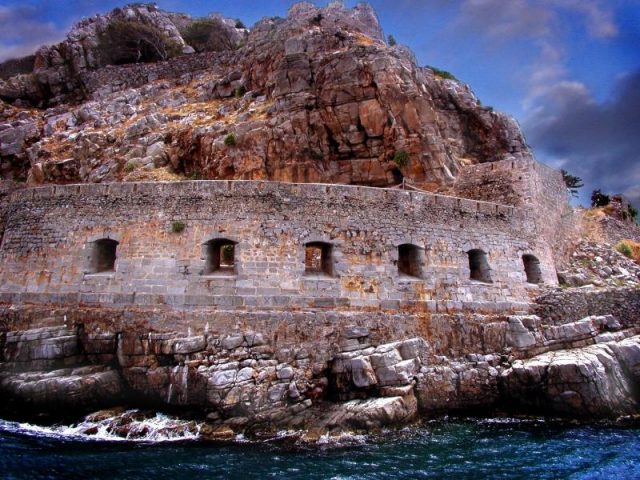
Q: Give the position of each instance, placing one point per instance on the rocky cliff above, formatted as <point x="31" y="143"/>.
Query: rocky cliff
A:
<point x="316" y="97"/>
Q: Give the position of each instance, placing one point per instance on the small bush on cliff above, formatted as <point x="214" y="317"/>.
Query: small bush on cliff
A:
<point x="442" y="73"/>
<point x="624" y="248"/>
<point x="392" y="41"/>
<point x="129" y="41"/>
<point x="178" y="227"/>
<point x="629" y="249"/>
<point x="230" y="140"/>
<point x="401" y="158"/>
<point x="633" y="213"/>
<point x="239" y="24"/>
<point x="599" y="199"/>
<point x="130" y="166"/>
<point x="239" y="91"/>
<point x="208" y="35"/>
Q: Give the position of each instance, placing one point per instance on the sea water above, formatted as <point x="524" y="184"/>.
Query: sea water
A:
<point x="460" y="449"/>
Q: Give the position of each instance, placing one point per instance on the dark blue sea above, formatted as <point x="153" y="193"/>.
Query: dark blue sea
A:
<point x="460" y="449"/>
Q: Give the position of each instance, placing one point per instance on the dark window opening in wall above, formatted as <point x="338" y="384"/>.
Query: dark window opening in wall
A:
<point x="220" y="257"/>
<point x="103" y="255"/>
<point x="479" y="266"/>
<point x="532" y="268"/>
<point x="410" y="260"/>
<point x="318" y="259"/>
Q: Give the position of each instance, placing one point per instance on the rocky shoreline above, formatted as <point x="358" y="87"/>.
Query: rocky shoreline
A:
<point x="248" y="382"/>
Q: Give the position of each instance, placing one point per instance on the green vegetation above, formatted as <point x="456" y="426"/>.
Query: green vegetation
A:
<point x="129" y="41"/>
<point x="624" y="248"/>
<point x="178" y="227"/>
<point x="196" y="175"/>
<point x="629" y="249"/>
<point x="392" y="41"/>
<point x="227" y="254"/>
<point x="572" y="182"/>
<point x="401" y="158"/>
<point x="442" y="73"/>
<point x="633" y="213"/>
<point x="239" y="91"/>
<point x="239" y="23"/>
<point x="130" y="166"/>
<point x="208" y="35"/>
<point x="230" y="140"/>
<point x="599" y="199"/>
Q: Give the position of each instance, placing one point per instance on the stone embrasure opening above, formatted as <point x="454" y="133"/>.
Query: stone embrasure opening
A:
<point x="220" y="257"/>
<point x="410" y="260"/>
<point x="532" y="268"/>
<point x="103" y="256"/>
<point x="318" y="259"/>
<point x="479" y="266"/>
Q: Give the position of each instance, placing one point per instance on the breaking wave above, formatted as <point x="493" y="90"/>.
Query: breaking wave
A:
<point x="128" y="426"/>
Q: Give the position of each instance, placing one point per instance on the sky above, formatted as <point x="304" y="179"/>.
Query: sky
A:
<point x="567" y="70"/>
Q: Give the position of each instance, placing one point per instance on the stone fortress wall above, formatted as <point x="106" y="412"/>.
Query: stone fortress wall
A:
<point x="48" y="248"/>
<point x="528" y="184"/>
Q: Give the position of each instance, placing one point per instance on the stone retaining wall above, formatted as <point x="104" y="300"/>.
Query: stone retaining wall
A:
<point x="50" y="234"/>
<point x="113" y="78"/>
<point x="564" y="306"/>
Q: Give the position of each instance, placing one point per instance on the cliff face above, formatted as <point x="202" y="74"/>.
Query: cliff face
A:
<point x="316" y="97"/>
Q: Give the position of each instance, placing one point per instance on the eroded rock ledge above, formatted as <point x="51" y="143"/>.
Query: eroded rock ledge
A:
<point x="353" y="376"/>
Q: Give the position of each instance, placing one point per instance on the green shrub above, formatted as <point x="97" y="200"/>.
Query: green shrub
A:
<point x="599" y="199"/>
<point x="230" y="140"/>
<point x="178" y="227"/>
<point x="208" y="35"/>
<point x="315" y="155"/>
<point x="633" y="213"/>
<point x="196" y="175"/>
<point x="392" y="41"/>
<point x="625" y="249"/>
<point x="239" y="91"/>
<point x="442" y="73"/>
<point x="401" y="158"/>
<point x="129" y="41"/>
<point x="130" y="166"/>
<point x="239" y="23"/>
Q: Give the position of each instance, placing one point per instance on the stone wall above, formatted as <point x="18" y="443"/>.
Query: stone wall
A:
<point x="99" y="83"/>
<point x="526" y="183"/>
<point x="563" y="306"/>
<point x="50" y="234"/>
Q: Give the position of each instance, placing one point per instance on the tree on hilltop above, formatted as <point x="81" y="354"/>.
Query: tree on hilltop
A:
<point x="129" y="41"/>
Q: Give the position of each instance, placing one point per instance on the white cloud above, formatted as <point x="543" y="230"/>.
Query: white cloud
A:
<point x="598" y="16"/>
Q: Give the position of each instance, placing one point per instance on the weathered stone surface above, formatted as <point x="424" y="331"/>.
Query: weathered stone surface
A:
<point x="592" y="382"/>
<point x="85" y="387"/>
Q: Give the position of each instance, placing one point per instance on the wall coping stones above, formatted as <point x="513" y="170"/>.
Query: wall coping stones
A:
<point x="260" y="187"/>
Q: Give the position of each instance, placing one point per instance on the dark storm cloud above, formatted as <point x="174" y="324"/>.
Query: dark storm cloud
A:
<point x="599" y="142"/>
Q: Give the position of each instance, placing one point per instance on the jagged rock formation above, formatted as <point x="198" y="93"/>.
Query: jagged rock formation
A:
<point x="316" y="97"/>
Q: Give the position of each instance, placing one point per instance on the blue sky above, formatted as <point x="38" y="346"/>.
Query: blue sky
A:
<point x="567" y="70"/>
